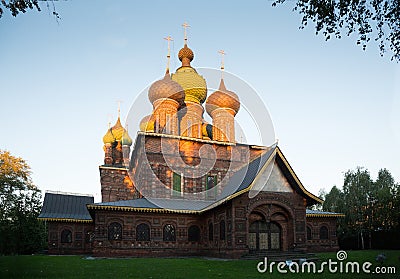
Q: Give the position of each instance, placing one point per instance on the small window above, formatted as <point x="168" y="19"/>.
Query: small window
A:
<point x="194" y="233"/>
<point x="210" y="232"/>
<point x="309" y="235"/>
<point x="169" y="233"/>
<point x="143" y="232"/>
<point x="66" y="236"/>
<point x="323" y="233"/>
<point x="211" y="190"/>
<point x="115" y="231"/>
<point x="222" y="230"/>
<point x="176" y="184"/>
<point x="89" y="237"/>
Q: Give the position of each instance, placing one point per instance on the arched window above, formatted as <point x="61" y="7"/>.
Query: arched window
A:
<point x="143" y="232"/>
<point x="309" y="234"/>
<point x="210" y="232"/>
<point x="115" y="231"/>
<point x="222" y="230"/>
<point x="323" y="233"/>
<point x="169" y="233"/>
<point x="66" y="236"/>
<point x="194" y="233"/>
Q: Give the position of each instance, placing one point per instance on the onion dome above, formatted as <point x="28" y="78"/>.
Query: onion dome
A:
<point x="126" y="139"/>
<point x="147" y="124"/>
<point x="166" y="88"/>
<point x="117" y="130"/>
<point x="185" y="55"/>
<point x="222" y="98"/>
<point x="114" y="133"/>
<point x="195" y="85"/>
<point x="108" y="137"/>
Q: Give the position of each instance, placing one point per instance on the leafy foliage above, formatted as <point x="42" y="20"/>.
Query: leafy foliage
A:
<point x="378" y="19"/>
<point x="22" y="6"/>
<point x="369" y="206"/>
<point x="20" y="203"/>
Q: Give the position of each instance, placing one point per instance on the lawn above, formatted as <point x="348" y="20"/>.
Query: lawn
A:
<point x="41" y="266"/>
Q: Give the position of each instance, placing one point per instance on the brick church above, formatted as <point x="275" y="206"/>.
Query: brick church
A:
<point x="186" y="187"/>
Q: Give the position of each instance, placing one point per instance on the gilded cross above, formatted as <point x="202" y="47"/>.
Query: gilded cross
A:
<point x="185" y="27"/>
<point x="223" y="53"/>
<point x="169" y="39"/>
<point x="119" y="108"/>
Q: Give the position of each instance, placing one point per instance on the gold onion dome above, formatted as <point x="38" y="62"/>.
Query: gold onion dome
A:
<point x="195" y="85"/>
<point x="114" y="133"/>
<point x="147" y="124"/>
<point x="222" y="98"/>
<point x="108" y="137"/>
<point x="126" y="139"/>
<point x="166" y="88"/>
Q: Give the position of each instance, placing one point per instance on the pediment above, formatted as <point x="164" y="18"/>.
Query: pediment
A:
<point x="271" y="179"/>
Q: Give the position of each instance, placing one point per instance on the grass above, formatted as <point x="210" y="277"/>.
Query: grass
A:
<point x="40" y="266"/>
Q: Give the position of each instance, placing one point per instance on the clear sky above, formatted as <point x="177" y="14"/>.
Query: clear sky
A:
<point x="334" y="106"/>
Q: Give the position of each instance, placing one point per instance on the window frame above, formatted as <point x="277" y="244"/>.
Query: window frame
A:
<point x="169" y="233"/>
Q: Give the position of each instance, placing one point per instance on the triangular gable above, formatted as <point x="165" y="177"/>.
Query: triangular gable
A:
<point x="294" y="181"/>
<point x="272" y="179"/>
<point x="282" y="179"/>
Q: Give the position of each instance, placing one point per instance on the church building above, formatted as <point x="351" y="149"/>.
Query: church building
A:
<point x="186" y="187"/>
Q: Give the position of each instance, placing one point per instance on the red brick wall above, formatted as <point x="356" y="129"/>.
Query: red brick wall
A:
<point x="81" y="242"/>
<point x="316" y="244"/>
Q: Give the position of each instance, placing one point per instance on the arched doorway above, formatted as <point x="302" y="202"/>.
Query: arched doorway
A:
<point x="264" y="236"/>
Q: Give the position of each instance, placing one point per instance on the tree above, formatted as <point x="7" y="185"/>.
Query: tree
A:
<point x="383" y="202"/>
<point x="378" y="19"/>
<point x="369" y="206"/>
<point x="22" y="6"/>
<point x="20" y="203"/>
<point x="334" y="201"/>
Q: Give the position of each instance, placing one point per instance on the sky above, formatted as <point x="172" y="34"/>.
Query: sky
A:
<point x="334" y="107"/>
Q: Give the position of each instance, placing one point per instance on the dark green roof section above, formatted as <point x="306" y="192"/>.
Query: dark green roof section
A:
<point x="65" y="206"/>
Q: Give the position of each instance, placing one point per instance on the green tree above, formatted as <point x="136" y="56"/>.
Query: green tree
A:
<point x="383" y="202"/>
<point x="20" y="203"/>
<point x="368" y="205"/>
<point x="377" y="19"/>
<point x="334" y="201"/>
<point x="22" y="6"/>
<point x="357" y="189"/>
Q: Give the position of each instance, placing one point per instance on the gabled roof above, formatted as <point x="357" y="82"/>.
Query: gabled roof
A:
<point x="241" y="182"/>
<point x="319" y="213"/>
<point x="66" y="207"/>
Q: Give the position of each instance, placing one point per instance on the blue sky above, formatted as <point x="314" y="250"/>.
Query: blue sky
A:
<point x="334" y="106"/>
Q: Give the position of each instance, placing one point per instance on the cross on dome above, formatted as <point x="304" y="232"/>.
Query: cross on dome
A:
<point x="169" y="39"/>
<point x="185" y="26"/>
<point x="223" y="53"/>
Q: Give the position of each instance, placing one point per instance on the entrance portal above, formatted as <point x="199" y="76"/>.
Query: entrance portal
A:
<point x="264" y="236"/>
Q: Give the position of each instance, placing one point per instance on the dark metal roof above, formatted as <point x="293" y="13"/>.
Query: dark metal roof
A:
<point x="65" y="206"/>
<point x="241" y="180"/>
<point x="157" y="203"/>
